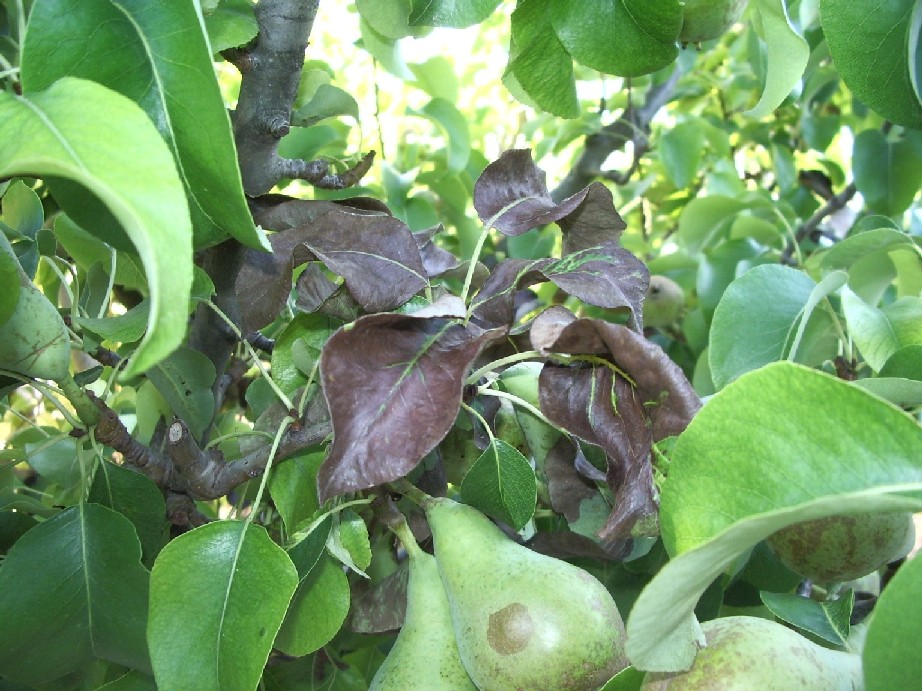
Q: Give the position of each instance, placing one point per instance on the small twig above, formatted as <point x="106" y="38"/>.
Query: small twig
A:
<point x="318" y="172"/>
<point x="835" y="203"/>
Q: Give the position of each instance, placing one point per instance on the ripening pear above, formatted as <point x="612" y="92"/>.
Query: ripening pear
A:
<point x="703" y="20"/>
<point x="424" y="655"/>
<point x="752" y="653"/>
<point x="663" y="303"/>
<point x="522" y="620"/>
<point x="842" y="548"/>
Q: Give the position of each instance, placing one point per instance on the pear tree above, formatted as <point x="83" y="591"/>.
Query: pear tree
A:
<point x="494" y="344"/>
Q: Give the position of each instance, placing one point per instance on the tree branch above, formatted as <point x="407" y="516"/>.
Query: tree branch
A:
<point x="835" y="203"/>
<point x="633" y="126"/>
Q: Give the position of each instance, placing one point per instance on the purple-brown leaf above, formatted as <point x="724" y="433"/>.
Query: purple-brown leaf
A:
<point x="376" y="255"/>
<point x="393" y="384"/>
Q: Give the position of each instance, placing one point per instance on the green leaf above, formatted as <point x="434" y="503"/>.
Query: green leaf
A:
<point x="232" y="24"/>
<point x="80" y="594"/>
<point x="454" y="13"/>
<point x="86" y="249"/>
<point x="217" y="598"/>
<point x="158" y="57"/>
<point x="870" y="43"/>
<point x="628" y="38"/>
<point x="829" y="620"/>
<point x="778" y="446"/>
<point x="888" y="173"/>
<point x="33" y="338"/>
<point x="293" y="488"/>
<point x="879" y="333"/>
<point x="123" y="328"/>
<point x="86" y="133"/>
<point x="704" y="218"/>
<point x="787" y="54"/>
<point x="680" y="152"/>
<point x="437" y="78"/>
<point x="390" y="18"/>
<point x="501" y="484"/>
<point x="327" y="102"/>
<point x="318" y="609"/>
<point x="539" y="64"/>
<point x="22" y="210"/>
<point x="856" y="247"/>
<point x="298" y="347"/>
<point x="9" y="286"/>
<point x="755" y="321"/>
<point x="891" y="652"/>
<point x="185" y="379"/>
<point x="454" y="125"/>
<point x="138" y="499"/>
<point x="348" y="541"/>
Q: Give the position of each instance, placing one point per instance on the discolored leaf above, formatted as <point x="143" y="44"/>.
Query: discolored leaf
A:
<point x="375" y="254"/>
<point x="393" y="385"/>
<point x="567" y="488"/>
<point x="515" y="179"/>
<point x="603" y="409"/>
<point x="494" y="304"/>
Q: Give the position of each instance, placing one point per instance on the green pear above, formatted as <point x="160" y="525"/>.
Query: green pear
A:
<point x="753" y="653"/>
<point x="664" y="302"/>
<point x="842" y="548"/>
<point x="424" y="655"/>
<point x="522" y="620"/>
<point x="703" y="20"/>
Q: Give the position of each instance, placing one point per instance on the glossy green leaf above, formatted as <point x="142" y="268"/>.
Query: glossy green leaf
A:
<point x="390" y="18"/>
<point x="881" y="332"/>
<point x="778" y="446"/>
<point x="829" y="620"/>
<point x="898" y="391"/>
<point x="185" y="379"/>
<point x="869" y="42"/>
<point x="298" y="348"/>
<point x="756" y="320"/>
<point x="217" y="599"/>
<point x="122" y="160"/>
<point x="454" y="13"/>
<point x="501" y="484"/>
<point x="33" y="338"/>
<point x="80" y="593"/>
<point x="122" y="328"/>
<point x="138" y="499"/>
<point x="888" y="173"/>
<point x="891" y="652"/>
<point x="158" y="57"/>
<point x="623" y="37"/>
<point x="786" y="54"/>
<point x="318" y="609"/>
